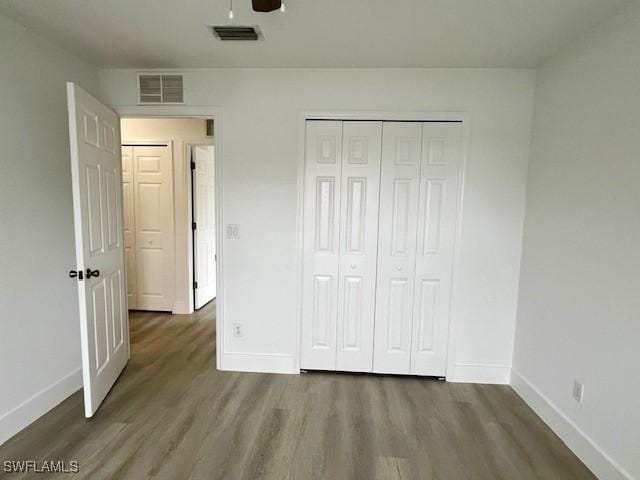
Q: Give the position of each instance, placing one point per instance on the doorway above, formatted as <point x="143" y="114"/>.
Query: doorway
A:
<point x="170" y="257"/>
<point x="159" y="192"/>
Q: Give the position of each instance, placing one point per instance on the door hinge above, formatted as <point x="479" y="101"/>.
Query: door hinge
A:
<point x="193" y="165"/>
<point x="193" y="225"/>
<point x="195" y="284"/>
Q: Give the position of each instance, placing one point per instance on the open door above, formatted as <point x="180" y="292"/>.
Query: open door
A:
<point x="96" y="170"/>
<point x="204" y="233"/>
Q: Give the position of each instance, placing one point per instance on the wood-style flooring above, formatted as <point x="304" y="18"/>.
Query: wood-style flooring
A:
<point x="173" y="416"/>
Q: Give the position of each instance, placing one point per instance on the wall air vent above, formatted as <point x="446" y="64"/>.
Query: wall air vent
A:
<point x="231" y="32"/>
<point x="160" y="88"/>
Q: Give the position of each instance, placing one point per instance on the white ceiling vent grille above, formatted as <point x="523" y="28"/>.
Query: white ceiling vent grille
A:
<point x="160" y="88"/>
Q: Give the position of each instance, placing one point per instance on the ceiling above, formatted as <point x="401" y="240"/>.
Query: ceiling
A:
<point x="313" y="33"/>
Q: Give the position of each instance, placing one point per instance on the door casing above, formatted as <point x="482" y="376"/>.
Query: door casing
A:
<point x="204" y="112"/>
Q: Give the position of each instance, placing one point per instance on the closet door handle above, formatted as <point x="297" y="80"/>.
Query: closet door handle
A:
<point x="353" y="266"/>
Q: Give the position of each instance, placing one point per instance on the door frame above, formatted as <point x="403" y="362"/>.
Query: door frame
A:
<point x="204" y="112"/>
<point x="384" y="116"/>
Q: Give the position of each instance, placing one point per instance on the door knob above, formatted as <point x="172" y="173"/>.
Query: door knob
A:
<point x="76" y="274"/>
<point x="92" y="273"/>
<point x="399" y="268"/>
<point x="353" y="266"/>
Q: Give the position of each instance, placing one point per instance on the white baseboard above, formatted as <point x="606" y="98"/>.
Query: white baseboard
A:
<point x="480" y="373"/>
<point x="596" y="459"/>
<point x="259" y="362"/>
<point x="34" y="407"/>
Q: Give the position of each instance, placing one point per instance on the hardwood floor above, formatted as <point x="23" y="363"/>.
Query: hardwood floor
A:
<point x="173" y="416"/>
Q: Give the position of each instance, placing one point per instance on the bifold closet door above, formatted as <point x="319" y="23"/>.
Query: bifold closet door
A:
<point x="321" y="230"/>
<point x="418" y="216"/>
<point x="399" y="193"/>
<point x="129" y="226"/>
<point x="148" y="204"/>
<point x="361" y="148"/>
<point x="437" y="220"/>
<point x="342" y="175"/>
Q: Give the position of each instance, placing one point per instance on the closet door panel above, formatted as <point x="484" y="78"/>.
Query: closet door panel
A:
<point x="437" y="220"/>
<point x="153" y="200"/>
<point x="361" y="150"/>
<point x="320" y="282"/>
<point x="129" y="226"/>
<point x="399" y="193"/>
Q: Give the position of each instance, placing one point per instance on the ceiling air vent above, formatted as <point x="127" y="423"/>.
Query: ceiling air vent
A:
<point x="229" y="32"/>
<point x="160" y="88"/>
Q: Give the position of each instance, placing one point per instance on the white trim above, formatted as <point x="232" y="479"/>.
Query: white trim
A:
<point x="465" y="119"/>
<point x="479" y="373"/>
<point x="457" y="247"/>
<point x="172" y="111"/>
<point x="37" y="405"/>
<point x="586" y="449"/>
<point x="259" y="362"/>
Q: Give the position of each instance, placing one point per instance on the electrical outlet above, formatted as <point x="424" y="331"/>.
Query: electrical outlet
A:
<point x="578" y="391"/>
<point x="237" y="329"/>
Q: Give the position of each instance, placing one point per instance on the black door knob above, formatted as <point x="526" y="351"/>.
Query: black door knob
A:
<point x="92" y="273"/>
<point x="79" y="274"/>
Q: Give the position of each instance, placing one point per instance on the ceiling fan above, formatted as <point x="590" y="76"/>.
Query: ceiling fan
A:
<point x="261" y="6"/>
<point x="266" y="5"/>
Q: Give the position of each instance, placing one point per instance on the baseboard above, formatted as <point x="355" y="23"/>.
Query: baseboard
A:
<point x="591" y="454"/>
<point x="259" y="362"/>
<point x="34" y="407"/>
<point x="480" y="373"/>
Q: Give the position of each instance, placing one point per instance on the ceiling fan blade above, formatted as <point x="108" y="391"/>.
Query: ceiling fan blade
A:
<point x="266" y="5"/>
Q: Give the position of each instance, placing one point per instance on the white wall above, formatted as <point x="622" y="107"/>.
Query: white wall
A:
<point x="180" y="131"/>
<point x="259" y="154"/>
<point x="579" y="307"/>
<point x="39" y="326"/>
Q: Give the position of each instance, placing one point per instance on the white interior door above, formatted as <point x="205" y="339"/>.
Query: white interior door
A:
<point x="437" y="219"/>
<point x="323" y="164"/>
<point x="361" y="145"/>
<point x="96" y="169"/>
<point x="129" y="225"/>
<point x="399" y="193"/>
<point x="204" y="234"/>
<point x="154" y="238"/>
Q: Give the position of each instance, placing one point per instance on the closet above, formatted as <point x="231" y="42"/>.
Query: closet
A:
<point x="380" y="215"/>
<point x="147" y="187"/>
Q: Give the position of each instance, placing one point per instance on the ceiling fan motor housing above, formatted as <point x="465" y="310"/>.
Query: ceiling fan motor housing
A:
<point x="266" y="5"/>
